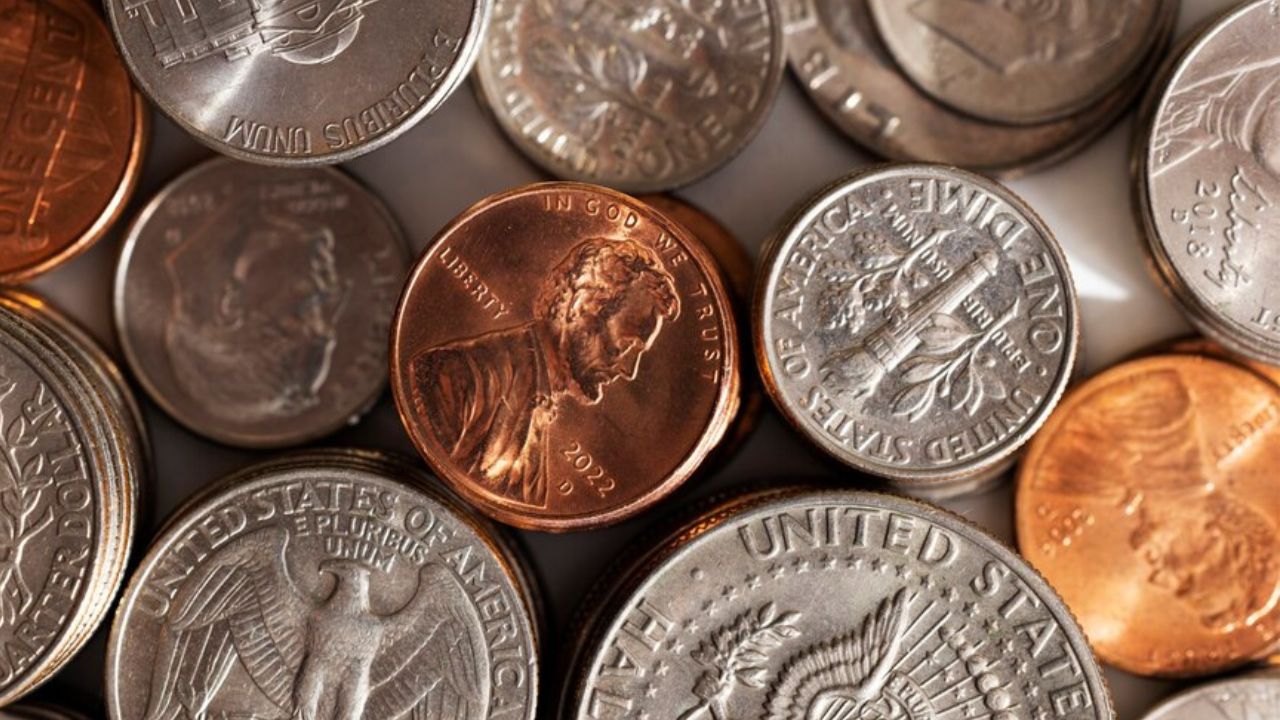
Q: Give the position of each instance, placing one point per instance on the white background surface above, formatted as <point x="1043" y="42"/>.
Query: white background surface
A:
<point x="459" y="156"/>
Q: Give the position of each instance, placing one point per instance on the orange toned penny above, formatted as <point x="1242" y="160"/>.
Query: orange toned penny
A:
<point x="1197" y="345"/>
<point x="1151" y="502"/>
<point x="564" y="356"/>
<point x="72" y="132"/>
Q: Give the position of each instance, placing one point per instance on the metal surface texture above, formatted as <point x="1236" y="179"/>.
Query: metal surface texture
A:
<point x="643" y="96"/>
<point x="916" y="322"/>
<point x="292" y="82"/>
<point x="254" y="304"/>
<point x="1248" y="698"/>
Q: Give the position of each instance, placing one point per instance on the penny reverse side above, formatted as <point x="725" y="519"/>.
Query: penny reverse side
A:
<point x="916" y="322"/>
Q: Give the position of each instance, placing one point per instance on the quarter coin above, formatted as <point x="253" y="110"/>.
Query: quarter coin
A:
<point x="644" y="95"/>
<point x="813" y="604"/>
<point x="324" y="585"/>
<point x="1245" y="698"/>
<point x="253" y="304"/>
<point x="564" y="356"/>
<point x="288" y="82"/>
<point x="1016" y="62"/>
<point x="916" y="322"/>
<point x="73" y="131"/>
<point x="1150" y="503"/>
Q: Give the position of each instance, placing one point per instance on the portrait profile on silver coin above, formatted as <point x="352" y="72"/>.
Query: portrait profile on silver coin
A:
<point x="490" y="399"/>
<point x="253" y="322"/>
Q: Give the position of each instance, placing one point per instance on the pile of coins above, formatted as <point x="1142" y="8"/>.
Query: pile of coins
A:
<point x="564" y="357"/>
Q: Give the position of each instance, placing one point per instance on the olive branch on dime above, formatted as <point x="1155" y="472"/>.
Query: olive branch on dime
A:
<point x="597" y="79"/>
<point x="735" y="654"/>
<point x="22" y="486"/>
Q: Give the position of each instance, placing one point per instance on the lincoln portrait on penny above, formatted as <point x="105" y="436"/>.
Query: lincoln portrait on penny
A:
<point x="489" y="400"/>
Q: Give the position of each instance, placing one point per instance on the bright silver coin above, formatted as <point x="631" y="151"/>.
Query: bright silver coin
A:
<point x="835" y="606"/>
<point x="916" y="322"/>
<point x="1210" y="180"/>
<point x="298" y="82"/>
<point x="254" y="304"/>
<point x="642" y="96"/>
<point x="324" y="588"/>
<point x="1246" y="698"/>
<point x="1018" y="62"/>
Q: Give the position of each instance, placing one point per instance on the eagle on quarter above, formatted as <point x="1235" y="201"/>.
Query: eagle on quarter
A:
<point x="326" y="655"/>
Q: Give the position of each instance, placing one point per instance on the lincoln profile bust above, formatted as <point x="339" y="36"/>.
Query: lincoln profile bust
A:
<point x="489" y="400"/>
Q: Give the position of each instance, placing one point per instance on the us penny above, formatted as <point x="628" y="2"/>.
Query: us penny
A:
<point x="1016" y="62"/>
<point x="298" y="83"/>
<point x="1149" y="501"/>
<point x="1208" y="177"/>
<point x="1246" y="698"/>
<point x="916" y="322"/>
<point x="733" y="617"/>
<point x="644" y="95"/>
<point x="324" y="587"/>
<point x="73" y="130"/>
<point x="253" y="304"/>
<point x="540" y="344"/>
<point x="840" y="60"/>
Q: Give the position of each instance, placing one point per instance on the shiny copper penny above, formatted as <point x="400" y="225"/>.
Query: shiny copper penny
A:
<point x="1150" y="500"/>
<point x="739" y="272"/>
<point x="1199" y="345"/>
<point x="72" y="133"/>
<point x="565" y="356"/>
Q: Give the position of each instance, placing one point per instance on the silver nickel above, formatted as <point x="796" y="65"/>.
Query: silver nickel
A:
<point x="1254" y="697"/>
<point x="327" y="589"/>
<point x="254" y="304"/>
<point x="916" y="322"/>
<point x="1209" y="182"/>
<point x="642" y="96"/>
<point x="1014" y="61"/>
<point x="837" y="606"/>
<point x="298" y="82"/>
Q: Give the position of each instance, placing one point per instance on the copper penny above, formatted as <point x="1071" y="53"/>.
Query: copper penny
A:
<point x="1150" y="501"/>
<point x="1199" y="345"/>
<point x="565" y="356"/>
<point x="72" y="133"/>
<point x="739" y="272"/>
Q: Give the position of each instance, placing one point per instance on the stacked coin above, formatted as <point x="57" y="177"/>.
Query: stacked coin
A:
<point x="326" y="584"/>
<point x="1150" y="501"/>
<point x="253" y="304"/>
<point x="795" y="604"/>
<point x="1253" y="697"/>
<point x="643" y="96"/>
<point x="74" y="457"/>
<point x="1002" y="87"/>
<point x="291" y="82"/>
<point x="918" y="323"/>
<point x="587" y="364"/>
<point x="1207" y="178"/>
<point x="739" y="274"/>
<point x="73" y="132"/>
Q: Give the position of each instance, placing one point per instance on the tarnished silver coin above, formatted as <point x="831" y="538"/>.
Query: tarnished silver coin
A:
<point x="1209" y="181"/>
<point x="916" y="322"/>
<point x="835" y="606"/>
<point x="1018" y="62"/>
<point x="642" y="96"/>
<point x="324" y="586"/>
<point x="836" y="52"/>
<point x="298" y="82"/>
<point x="254" y="304"/>
<point x="1253" y="697"/>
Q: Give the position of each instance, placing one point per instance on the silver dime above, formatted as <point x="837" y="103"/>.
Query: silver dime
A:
<point x="916" y="322"/>
<point x="293" y="81"/>
<point x="253" y="304"/>
<point x="837" y="54"/>
<point x="1254" y="697"/>
<point x="1017" y="62"/>
<point x="643" y="96"/>
<point x="324" y="586"/>
<point x="835" y="606"/>
<point x="1209" y="181"/>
